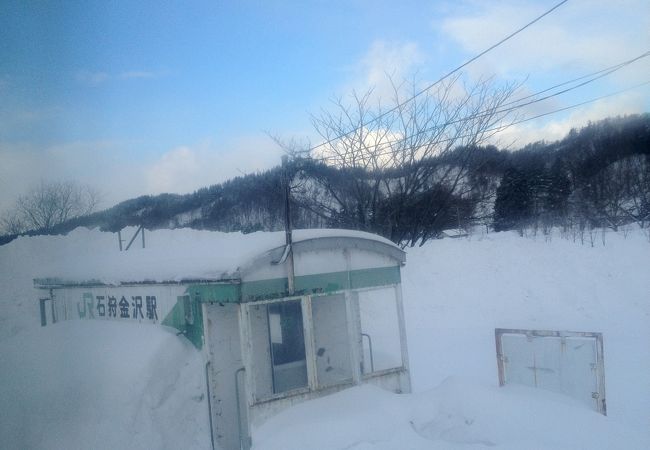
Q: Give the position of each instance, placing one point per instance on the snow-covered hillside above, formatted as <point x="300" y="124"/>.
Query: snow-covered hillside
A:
<point x="117" y="385"/>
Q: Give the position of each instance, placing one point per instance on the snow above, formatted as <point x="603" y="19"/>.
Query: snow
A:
<point x="459" y="291"/>
<point x="458" y="414"/>
<point x="122" y="385"/>
<point x="101" y="385"/>
<point x="169" y="255"/>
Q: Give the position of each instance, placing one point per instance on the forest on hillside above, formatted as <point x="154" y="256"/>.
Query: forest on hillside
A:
<point x="597" y="176"/>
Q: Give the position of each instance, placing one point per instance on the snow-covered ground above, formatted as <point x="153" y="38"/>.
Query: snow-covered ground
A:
<point x="116" y="385"/>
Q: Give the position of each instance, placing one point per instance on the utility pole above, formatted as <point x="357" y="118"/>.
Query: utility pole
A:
<point x="287" y="223"/>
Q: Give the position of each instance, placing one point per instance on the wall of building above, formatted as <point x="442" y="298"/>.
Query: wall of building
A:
<point x="223" y="348"/>
<point x="261" y="351"/>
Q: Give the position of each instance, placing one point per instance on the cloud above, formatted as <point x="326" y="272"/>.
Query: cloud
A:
<point x="390" y="58"/>
<point x="580" y="37"/>
<point x="555" y="128"/>
<point x="582" y="34"/>
<point x="96" y="78"/>
<point x="385" y="60"/>
<point x="137" y="74"/>
<point x="101" y="164"/>
<point x="92" y="78"/>
<point x="176" y="171"/>
<point x="187" y="168"/>
<point x="113" y="168"/>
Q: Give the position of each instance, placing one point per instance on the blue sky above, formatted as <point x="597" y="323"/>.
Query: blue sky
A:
<point x="147" y="97"/>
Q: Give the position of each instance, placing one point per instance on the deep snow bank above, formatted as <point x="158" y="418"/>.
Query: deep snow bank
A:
<point x="458" y="414"/>
<point x="101" y="385"/>
<point x="119" y="385"/>
<point x="456" y="292"/>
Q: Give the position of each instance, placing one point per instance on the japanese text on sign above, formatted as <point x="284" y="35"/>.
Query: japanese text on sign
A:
<point x="122" y="307"/>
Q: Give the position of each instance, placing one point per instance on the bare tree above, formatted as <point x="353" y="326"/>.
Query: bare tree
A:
<point x="637" y="206"/>
<point x="12" y="223"/>
<point x="617" y="194"/>
<point x="408" y="163"/>
<point x="49" y="204"/>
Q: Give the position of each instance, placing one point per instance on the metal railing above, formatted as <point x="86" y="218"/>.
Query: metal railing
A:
<point x="244" y="440"/>
<point x="207" y="386"/>
<point x="372" y="360"/>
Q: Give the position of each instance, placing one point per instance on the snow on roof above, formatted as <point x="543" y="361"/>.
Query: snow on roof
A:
<point x="170" y="255"/>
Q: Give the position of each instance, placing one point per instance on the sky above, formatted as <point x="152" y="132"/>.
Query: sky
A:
<point x="146" y="97"/>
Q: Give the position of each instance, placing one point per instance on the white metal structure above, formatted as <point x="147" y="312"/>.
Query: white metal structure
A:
<point x="567" y="362"/>
<point x="272" y="336"/>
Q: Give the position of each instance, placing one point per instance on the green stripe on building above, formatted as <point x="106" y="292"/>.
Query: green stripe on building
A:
<point x="252" y="291"/>
<point x="320" y="283"/>
<point x="178" y="319"/>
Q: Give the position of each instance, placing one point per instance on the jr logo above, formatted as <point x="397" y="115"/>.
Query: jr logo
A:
<point x="85" y="307"/>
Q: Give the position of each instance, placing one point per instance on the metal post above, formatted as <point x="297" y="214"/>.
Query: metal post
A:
<point x="142" y="228"/>
<point x="207" y="386"/>
<point x="53" y="310"/>
<point x="133" y="238"/>
<point x="119" y="238"/>
<point x="244" y="441"/>
<point x="43" y="315"/>
<point x="372" y="360"/>
<point x="287" y="223"/>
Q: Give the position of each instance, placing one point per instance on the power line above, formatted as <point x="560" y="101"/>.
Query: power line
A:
<point x="582" y="103"/>
<point x="590" y="78"/>
<point x="449" y="74"/>
<point x="495" y="129"/>
<point x="597" y="75"/>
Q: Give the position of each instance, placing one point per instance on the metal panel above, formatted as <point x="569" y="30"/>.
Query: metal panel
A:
<point x="331" y="340"/>
<point x="381" y="321"/>
<point x="224" y="353"/>
<point x="561" y="361"/>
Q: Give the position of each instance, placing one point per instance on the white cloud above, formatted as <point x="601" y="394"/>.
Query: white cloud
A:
<point x="92" y="78"/>
<point x="100" y="164"/>
<point x="555" y="128"/>
<point x="137" y="74"/>
<point x="112" y="168"/>
<point x="580" y="37"/>
<point x="176" y="171"/>
<point x="96" y="78"/>
<point x="582" y="34"/>
<point x="382" y="61"/>
<point x="187" y="168"/>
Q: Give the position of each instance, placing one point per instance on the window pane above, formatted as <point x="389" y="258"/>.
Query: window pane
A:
<point x="262" y="367"/>
<point x="287" y="346"/>
<point x="380" y="330"/>
<point x="331" y="339"/>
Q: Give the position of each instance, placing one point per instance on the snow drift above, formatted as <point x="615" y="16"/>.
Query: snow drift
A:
<point x="120" y="385"/>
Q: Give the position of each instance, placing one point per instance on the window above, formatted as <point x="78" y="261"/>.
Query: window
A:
<point x="285" y="333"/>
<point x="278" y="348"/>
<point x="287" y="346"/>
<point x="382" y="348"/>
<point x="332" y="343"/>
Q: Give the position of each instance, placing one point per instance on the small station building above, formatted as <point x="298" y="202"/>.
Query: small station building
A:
<point x="290" y="324"/>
